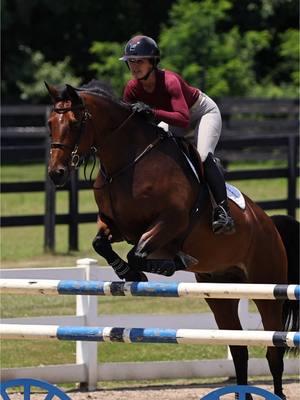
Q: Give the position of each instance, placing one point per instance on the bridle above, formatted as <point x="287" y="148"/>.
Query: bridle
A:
<point x="75" y="156"/>
<point x="86" y="115"/>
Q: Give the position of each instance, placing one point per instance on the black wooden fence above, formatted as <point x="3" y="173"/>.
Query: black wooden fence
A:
<point x="246" y="141"/>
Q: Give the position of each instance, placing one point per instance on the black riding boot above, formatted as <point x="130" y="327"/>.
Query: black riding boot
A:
<point x="222" y="221"/>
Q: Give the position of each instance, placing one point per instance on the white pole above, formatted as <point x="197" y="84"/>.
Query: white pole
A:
<point x="152" y="335"/>
<point x="18" y="331"/>
<point x="86" y="352"/>
<point x="29" y="286"/>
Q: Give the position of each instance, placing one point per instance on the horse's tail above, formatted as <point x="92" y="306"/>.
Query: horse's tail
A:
<point x="289" y="230"/>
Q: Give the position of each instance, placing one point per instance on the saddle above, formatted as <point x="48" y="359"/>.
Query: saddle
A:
<point x="194" y="163"/>
<point x="192" y="157"/>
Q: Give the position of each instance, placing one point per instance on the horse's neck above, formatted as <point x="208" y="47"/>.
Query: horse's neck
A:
<point x="120" y="136"/>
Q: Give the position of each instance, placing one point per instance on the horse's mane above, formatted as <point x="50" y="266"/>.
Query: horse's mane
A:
<point x="95" y="87"/>
<point x="103" y="89"/>
<point x="98" y="87"/>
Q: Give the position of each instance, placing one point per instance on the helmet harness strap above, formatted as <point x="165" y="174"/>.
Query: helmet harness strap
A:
<point x="148" y="73"/>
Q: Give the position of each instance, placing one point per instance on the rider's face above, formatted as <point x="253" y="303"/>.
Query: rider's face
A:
<point x="139" y="67"/>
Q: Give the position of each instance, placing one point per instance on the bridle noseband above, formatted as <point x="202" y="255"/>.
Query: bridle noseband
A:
<point x="75" y="157"/>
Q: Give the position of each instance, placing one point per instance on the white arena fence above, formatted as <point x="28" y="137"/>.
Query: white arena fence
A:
<point x="175" y="328"/>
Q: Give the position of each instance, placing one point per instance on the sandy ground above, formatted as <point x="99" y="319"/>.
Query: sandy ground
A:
<point x="164" y="392"/>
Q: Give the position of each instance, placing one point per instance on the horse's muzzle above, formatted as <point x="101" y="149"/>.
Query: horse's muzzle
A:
<point x="59" y="176"/>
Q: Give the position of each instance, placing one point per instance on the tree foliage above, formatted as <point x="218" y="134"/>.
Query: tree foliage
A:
<point x="225" y="47"/>
<point x="107" y="64"/>
<point x="37" y="71"/>
<point x="201" y="43"/>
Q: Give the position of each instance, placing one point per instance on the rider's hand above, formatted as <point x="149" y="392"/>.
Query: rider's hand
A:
<point x="144" y="110"/>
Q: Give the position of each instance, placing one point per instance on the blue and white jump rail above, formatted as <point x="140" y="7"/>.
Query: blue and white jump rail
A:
<point x="151" y="335"/>
<point x="151" y="289"/>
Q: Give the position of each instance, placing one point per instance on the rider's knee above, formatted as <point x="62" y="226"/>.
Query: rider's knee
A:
<point x="207" y="158"/>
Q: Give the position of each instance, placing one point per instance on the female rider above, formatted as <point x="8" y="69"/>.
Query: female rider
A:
<point x="181" y="108"/>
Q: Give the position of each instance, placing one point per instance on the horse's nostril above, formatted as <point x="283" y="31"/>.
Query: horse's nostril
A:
<point x="59" y="175"/>
<point x="60" y="171"/>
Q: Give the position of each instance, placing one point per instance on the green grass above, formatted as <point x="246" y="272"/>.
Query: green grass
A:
<point x="23" y="247"/>
<point x="32" y="306"/>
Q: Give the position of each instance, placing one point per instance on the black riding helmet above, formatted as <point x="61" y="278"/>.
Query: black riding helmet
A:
<point x="141" y="47"/>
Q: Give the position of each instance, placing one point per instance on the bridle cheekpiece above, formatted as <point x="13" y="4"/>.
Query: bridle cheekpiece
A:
<point x="75" y="156"/>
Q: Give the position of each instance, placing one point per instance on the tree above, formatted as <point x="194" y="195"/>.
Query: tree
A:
<point x="221" y="46"/>
<point x="227" y="47"/>
<point x="60" y="29"/>
<point x="37" y="71"/>
<point x="107" y="65"/>
<point x="220" y="63"/>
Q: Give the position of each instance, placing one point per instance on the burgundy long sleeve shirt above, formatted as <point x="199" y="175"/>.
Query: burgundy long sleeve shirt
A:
<point x="170" y="100"/>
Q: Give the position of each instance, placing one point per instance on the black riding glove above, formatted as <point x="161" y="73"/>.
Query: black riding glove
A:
<point x="141" y="107"/>
<point x="144" y="110"/>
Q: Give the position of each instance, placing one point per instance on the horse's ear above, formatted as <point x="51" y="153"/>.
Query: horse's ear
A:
<point x="53" y="92"/>
<point x="74" y="96"/>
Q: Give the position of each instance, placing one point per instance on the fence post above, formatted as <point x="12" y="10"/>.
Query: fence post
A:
<point x="86" y="352"/>
<point x="50" y="202"/>
<point x="73" y="211"/>
<point x="292" y="174"/>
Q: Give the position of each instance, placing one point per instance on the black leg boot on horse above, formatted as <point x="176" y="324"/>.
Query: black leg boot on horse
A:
<point x="103" y="247"/>
<point x="166" y="267"/>
<point x="222" y="219"/>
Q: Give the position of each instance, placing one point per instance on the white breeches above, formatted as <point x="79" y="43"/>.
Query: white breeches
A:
<point x="205" y="126"/>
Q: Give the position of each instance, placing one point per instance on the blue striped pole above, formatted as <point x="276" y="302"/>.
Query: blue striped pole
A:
<point x="151" y="289"/>
<point x="152" y="335"/>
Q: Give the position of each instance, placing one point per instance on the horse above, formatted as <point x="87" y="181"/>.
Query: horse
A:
<point x="148" y="195"/>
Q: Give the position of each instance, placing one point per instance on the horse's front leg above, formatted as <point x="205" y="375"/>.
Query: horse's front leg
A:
<point x="102" y="246"/>
<point x="161" y="235"/>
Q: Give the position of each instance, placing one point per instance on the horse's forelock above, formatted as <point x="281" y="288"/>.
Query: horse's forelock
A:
<point x="64" y="95"/>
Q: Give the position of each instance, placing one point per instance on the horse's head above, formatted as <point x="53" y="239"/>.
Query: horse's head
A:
<point x="67" y="122"/>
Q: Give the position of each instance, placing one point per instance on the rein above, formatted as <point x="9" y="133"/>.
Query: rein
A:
<point x="75" y="156"/>
<point x="110" y="179"/>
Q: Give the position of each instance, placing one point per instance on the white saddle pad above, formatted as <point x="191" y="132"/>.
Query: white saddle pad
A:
<point x="235" y="195"/>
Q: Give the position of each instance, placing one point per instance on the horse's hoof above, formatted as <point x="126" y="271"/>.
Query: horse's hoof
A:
<point x="281" y="395"/>
<point x="247" y="397"/>
<point x="135" y="276"/>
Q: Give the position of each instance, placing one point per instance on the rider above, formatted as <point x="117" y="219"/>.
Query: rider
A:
<point x="183" y="110"/>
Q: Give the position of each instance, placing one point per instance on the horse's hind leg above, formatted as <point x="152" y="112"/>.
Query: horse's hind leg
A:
<point x="271" y="314"/>
<point x="226" y="316"/>
<point x="161" y="235"/>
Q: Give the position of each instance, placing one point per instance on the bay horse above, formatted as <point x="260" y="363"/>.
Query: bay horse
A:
<point x="148" y="196"/>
